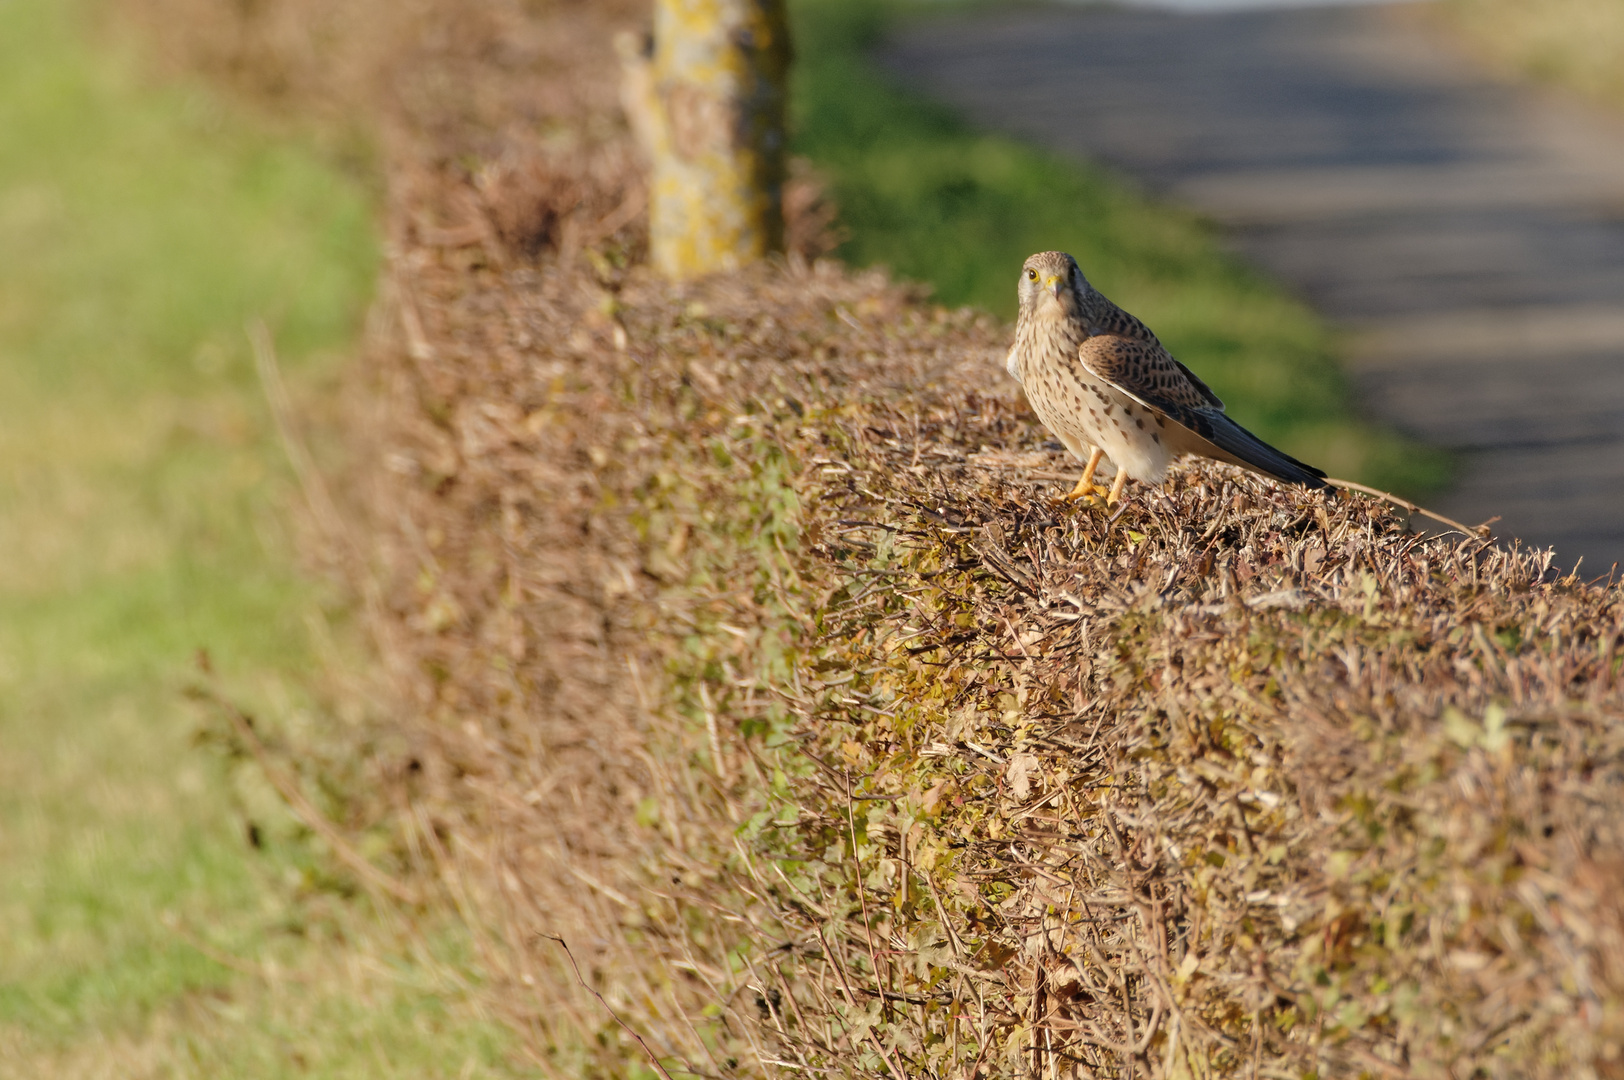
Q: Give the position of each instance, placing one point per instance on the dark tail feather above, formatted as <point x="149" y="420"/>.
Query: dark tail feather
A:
<point x="1249" y="451"/>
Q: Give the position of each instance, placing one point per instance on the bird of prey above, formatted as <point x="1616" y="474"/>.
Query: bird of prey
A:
<point x="1102" y="383"/>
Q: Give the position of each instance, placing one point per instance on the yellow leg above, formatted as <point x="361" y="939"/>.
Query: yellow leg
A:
<point x="1085" y="486"/>
<point x="1116" y="487"/>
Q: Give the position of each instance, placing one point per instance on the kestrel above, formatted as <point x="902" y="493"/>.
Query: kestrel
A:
<point x="1101" y="382"/>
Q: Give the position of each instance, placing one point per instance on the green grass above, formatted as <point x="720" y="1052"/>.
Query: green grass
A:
<point x="1571" y="43"/>
<point x="922" y="192"/>
<point x="142" y="499"/>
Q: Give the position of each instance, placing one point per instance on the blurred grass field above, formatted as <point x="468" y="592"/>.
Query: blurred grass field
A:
<point x="922" y="192"/>
<point x="142" y="517"/>
<point x="1577" y="44"/>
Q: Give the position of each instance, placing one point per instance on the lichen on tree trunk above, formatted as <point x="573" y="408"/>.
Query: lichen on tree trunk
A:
<point x="708" y="105"/>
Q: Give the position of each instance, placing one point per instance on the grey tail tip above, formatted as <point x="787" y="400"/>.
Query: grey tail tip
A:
<point x="1265" y="458"/>
<point x="1306" y="475"/>
<point x="1282" y="466"/>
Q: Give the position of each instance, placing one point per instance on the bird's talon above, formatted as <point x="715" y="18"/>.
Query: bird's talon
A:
<point x="1090" y="504"/>
<point x="1090" y="494"/>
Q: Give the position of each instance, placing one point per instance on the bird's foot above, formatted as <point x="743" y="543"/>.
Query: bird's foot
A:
<point x="1088" y="495"/>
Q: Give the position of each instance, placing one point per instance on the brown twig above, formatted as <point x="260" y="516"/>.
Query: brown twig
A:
<point x="653" y="1058"/>
<point x="295" y="798"/>
<point x="318" y="497"/>
<point x="224" y="959"/>
<point x="1481" y="532"/>
<point x="298" y="455"/>
<point x="887" y="1053"/>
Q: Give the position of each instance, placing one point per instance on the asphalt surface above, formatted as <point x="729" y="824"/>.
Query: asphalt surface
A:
<point x="1470" y="233"/>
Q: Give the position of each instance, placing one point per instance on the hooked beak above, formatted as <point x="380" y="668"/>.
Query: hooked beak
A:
<point x="1055" y="283"/>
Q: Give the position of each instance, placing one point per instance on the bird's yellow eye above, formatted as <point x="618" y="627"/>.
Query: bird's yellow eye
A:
<point x="1031" y="275"/>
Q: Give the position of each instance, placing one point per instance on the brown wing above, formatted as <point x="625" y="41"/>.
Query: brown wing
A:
<point x="1145" y="372"/>
<point x="1111" y="320"/>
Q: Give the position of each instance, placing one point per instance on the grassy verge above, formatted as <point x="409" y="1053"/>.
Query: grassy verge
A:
<point x="141" y="516"/>
<point x="1572" y="43"/>
<point x="922" y="192"/>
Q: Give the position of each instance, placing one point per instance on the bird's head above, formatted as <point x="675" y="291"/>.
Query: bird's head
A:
<point x="1051" y="284"/>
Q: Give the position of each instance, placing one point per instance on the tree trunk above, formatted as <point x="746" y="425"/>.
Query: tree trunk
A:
<point x="708" y="104"/>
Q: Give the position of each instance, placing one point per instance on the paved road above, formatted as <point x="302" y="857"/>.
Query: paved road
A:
<point x="1470" y="233"/>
